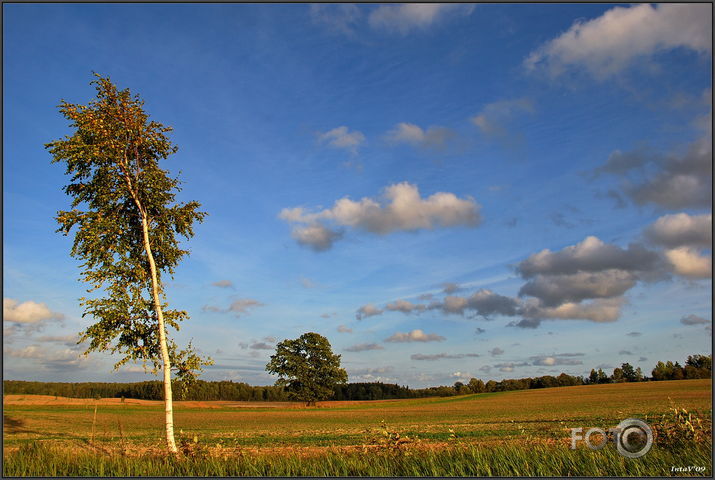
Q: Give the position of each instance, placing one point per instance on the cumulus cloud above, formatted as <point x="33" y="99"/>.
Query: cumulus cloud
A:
<point x="364" y="347"/>
<point x="510" y="366"/>
<point x="496" y="351"/>
<point x="404" y="306"/>
<point x="403" y="210"/>
<point x="237" y="307"/>
<point x="694" y="320"/>
<point x="407" y="17"/>
<point x="688" y="262"/>
<point x="494" y="118"/>
<point x="599" y="310"/>
<point x="344" y="329"/>
<point x="342" y="137"/>
<point x="483" y="302"/>
<point x="27" y="312"/>
<point x="681" y="229"/>
<point x="450" y="287"/>
<point x="50" y="359"/>
<point x="682" y="179"/>
<point x="261" y="346"/>
<point x="223" y="284"/>
<point x="551" y="360"/>
<point x="434" y="137"/>
<point x="526" y="323"/>
<point x="415" y="336"/>
<point x="479" y="331"/>
<point x="553" y="290"/>
<point x="368" y="310"/>
<point x="442" y="356"/>
<point x="316" y="236"/>
<point x="590" y="255"/>
<point x="607" y="45"/>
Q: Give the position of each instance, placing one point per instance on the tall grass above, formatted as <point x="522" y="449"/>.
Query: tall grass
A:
<point x="459" y="460"/>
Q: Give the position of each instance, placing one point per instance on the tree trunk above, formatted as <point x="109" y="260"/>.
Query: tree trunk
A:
<point x="168" y="404"/>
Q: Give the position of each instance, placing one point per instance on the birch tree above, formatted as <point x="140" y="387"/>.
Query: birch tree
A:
<point x="127" y="225"/>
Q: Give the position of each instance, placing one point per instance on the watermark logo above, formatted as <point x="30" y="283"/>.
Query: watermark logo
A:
<point x="633" y="437"/>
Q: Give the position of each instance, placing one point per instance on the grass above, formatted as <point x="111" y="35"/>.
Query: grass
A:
<point x="506" y="434"/>
<point x="460" y="460"/>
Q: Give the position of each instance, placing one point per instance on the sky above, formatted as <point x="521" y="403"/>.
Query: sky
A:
<point x="444" y="191"/>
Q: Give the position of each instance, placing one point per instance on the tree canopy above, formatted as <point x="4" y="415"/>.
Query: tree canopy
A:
<point x="128" y="225"/>
<point x="308" y="368"/>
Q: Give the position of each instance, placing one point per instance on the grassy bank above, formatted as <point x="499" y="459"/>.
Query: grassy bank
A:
<point x="459" y="460"/>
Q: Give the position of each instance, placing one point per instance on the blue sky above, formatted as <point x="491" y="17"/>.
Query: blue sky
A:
<point x="444" y="191"/>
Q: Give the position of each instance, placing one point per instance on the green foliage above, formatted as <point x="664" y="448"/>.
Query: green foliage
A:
<point x="696" y="366"/>
<point x="117" y="187"/>
<point x="307" y="367"/>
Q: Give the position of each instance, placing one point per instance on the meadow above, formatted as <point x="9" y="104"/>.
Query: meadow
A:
<point x="508" y="433"/>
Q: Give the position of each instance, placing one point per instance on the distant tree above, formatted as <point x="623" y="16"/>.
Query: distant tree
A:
<point x="308" y="368"/>
<point x="629" y="373"/>
<point x="617" y="376"/>
<point x="602" y="377"/>
<point x="476" y="385"/>
<point x="127" y="220"/>
<point x="593" y="377"/>
<point x="698" y="366"/>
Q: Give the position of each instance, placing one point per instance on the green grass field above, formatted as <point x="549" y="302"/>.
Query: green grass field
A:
<point x="510" y="433"/>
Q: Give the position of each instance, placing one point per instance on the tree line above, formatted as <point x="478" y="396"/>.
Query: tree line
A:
<point x="696" y="366"/>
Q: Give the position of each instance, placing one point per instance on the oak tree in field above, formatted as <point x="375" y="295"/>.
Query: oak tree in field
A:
<point x="308" y="368"/>
<point x="127" y="226"/>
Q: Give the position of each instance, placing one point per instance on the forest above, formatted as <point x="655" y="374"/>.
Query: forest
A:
<point x="696" y="366"/>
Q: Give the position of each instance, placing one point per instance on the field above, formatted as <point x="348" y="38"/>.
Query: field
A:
<point x="508" y="433"/>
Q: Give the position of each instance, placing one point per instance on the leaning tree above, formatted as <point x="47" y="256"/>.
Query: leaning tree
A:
<point x="308" y="368"/>
<point x="127" y="224"/>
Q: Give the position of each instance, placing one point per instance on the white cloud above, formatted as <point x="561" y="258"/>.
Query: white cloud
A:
<point x="494" y="118"/>
<point x="599" y="310"/>
<point x="368" y="310"/>
<point x="316" y="236"/>
<point x="610" y="43"/>
<point x="403" y="210"/>
<point x="344" y="329"/>
<point x="27" y="312"/>
<point x="404" y="306"/>
<point x="551" y="360"/>
<point x="688" y="262"/>
<point x="496" y="351"/>
<point x="51" y="359"/>
<point x="681" y="229"/>
<point x="307" y="282"/>
<point x="341" y="137"/>
<point x="223" y="284"/>
<point x="435" y="137"/>
<point x="414" y="336"/>
<point x="406" y="17"/>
